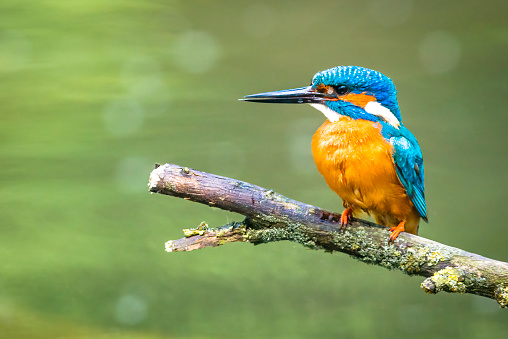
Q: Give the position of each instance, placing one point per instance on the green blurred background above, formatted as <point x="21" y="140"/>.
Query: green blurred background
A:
<point x="93" y="93"/>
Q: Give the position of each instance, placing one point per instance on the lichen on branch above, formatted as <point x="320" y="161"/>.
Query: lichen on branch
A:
<point x="272" y="217"/>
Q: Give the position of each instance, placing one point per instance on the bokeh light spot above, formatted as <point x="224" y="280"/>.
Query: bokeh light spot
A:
<point x="131" y="309"/>
<point x="141" y="75"/>
<point x="196" y="51"/>
<point x="144" y="82"/>
<point x="440" y="52"/>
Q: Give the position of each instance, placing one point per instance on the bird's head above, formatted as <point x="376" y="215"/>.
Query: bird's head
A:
<point x="352" y="91"/>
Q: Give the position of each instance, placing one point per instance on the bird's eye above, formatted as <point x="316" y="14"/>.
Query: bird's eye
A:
<point x="341" y="90"/>
<point x="332" y="91"/>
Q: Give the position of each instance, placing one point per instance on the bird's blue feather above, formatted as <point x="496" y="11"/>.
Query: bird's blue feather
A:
<point x="360" y="80"/>
<point x="407" y="155"/>
<point x="408" y="160"/>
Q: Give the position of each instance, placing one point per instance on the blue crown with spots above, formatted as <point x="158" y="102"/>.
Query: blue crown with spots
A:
<point x="361" y="80"/>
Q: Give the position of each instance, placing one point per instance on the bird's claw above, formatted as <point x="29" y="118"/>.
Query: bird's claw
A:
<point x="345" y="217"/>
<point x="396" y="231"/>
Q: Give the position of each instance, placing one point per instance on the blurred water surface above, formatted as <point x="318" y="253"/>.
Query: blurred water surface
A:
<point x="93" y="93"/>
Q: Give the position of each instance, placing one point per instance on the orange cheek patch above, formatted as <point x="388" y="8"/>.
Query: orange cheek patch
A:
<point x="321" y="88"/>
<point x="325" y="89"/>
<point x="360" y="100"/>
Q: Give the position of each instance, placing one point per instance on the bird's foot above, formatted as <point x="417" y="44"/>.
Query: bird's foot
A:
<point x="396" y="231"/>
<point x="344" y="218"/>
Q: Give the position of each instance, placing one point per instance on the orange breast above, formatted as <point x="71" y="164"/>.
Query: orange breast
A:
<point x="356" y="162"/>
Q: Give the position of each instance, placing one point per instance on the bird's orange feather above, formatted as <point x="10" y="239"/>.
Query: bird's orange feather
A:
<point x="357" y="163"/>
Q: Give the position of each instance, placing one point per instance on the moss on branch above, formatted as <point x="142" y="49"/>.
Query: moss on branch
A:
<point x="271" y="217"/>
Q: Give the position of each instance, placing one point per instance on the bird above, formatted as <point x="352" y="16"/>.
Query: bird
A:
<point x="363" y="151"/>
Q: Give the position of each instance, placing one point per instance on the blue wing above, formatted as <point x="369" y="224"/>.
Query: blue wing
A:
<point x="408" y="160"/>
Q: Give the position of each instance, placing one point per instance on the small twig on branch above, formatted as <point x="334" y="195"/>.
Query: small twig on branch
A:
<point x="272" y="217"/>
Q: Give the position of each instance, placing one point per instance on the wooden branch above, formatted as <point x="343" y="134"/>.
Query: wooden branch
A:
<point x="273" y="217"/>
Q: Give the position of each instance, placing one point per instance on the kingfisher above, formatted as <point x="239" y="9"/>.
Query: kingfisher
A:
<point x="364" y="152"/>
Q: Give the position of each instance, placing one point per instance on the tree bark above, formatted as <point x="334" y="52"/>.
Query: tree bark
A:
<point x="272" y="217"/>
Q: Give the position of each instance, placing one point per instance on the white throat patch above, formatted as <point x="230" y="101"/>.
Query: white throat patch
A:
<point x="329" y="113"/>
<point x="375" y="108"/>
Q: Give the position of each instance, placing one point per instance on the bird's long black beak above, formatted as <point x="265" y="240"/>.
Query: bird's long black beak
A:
<point x="302" y="95"/>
